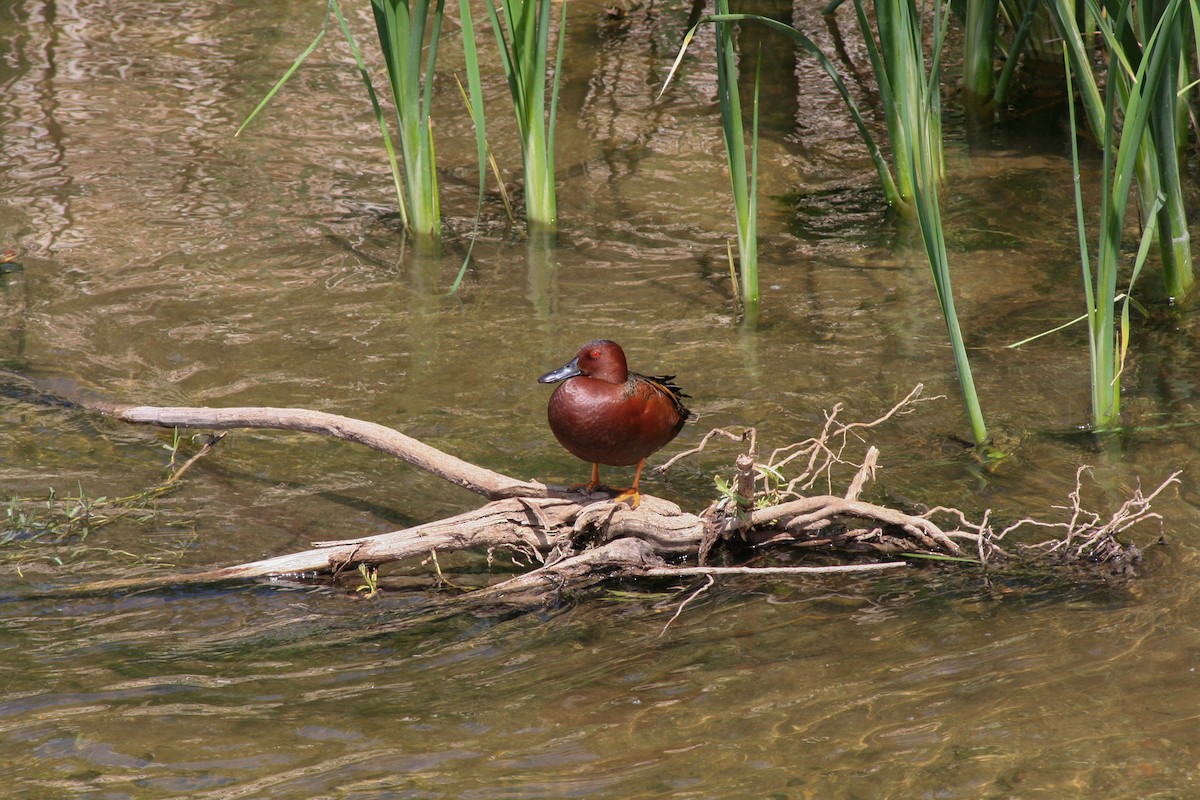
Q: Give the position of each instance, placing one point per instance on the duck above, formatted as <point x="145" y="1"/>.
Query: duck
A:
<point x="604" y="414"/>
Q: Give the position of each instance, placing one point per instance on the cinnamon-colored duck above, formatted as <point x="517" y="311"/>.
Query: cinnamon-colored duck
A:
<point x="605" y="414"/>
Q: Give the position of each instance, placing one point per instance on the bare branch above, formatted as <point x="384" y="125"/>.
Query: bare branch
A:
<point x="477" y="479"/>
<point x="691" y="597"/>
<point x="836" y="569"/>
<point x="737" y="437"/>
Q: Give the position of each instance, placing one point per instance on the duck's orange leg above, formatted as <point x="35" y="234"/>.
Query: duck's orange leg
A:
<point x="590" y="485"/>
<point x="632" y="494"/>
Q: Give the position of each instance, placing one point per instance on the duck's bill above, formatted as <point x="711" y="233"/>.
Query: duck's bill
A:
<point x="569" y="370"/>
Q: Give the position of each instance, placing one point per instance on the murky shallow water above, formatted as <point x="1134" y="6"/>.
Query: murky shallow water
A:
<point x="167" y="262"/>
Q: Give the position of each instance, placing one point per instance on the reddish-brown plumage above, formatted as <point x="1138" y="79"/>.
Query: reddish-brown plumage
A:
<point x="605" y="414"/>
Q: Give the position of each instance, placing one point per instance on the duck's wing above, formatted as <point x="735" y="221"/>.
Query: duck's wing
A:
<point x="665" y="384"/>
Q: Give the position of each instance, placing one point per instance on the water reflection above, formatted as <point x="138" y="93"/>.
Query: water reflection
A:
<point x="165" y="261"/>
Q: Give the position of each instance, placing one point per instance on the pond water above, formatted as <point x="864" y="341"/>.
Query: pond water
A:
<point x="163" y="261"/>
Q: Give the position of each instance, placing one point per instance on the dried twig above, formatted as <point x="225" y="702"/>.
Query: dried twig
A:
<point x="1086" y="535"/>
<point x="834" y="569"/>
<point x="749" y="433"/>
<point x="693" y="596"/>
<point x="209" y="444"/>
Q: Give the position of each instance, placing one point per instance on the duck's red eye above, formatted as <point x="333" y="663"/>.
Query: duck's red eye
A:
<point x="595" y="354"/>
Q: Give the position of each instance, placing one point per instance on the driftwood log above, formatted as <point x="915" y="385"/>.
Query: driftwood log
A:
<point x="573" y="540"/>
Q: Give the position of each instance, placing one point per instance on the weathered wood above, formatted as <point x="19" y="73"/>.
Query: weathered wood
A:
<point x="532" y="525"/>
<point x="480" y="480"/>
<point x="579" y="539"/>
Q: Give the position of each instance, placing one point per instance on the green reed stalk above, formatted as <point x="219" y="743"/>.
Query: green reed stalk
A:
<point x="886" y="180"/>
<point x="743" y="178"/>
<point x="1085" y="79"/>
<point x="1174" y="235"/>
<point x="401" y="30"/>
<point x="401" y="26"/>
<point x="911" y="97"/>
<point x="524" y="41"/>
<point x="473" y="97"/>
<point x="979" y="41"/>
<point x="983" y="90"/>
<point x="1125" y="30"/>
<point x="1019" y="44"/>
<point x="1108" y="344"/>
<point x="913" y="108"/>
<point x="912" y="104"/>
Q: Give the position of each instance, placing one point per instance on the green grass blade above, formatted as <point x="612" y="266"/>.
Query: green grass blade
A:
<point x="380" y="120"/>
<point x="750" y="268"/>
<point x="1064" y="14"/>
<point x="886" y="180"/>
<point x="473" y="100"/>
<point x="552" y="125"/>
<point x="290" y="71"/>
<point x="1139" y="261"/>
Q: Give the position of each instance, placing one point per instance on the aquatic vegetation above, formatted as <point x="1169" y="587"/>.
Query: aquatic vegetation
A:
<point x="910" y="93"/>
<point x="743" y="178"/>
<point x="58" y="530"/>
<point x="1105" y="47"/>
<point x="984" y="22"/>
<point x="1107" y="341"/>
<point x="401" y="26"/>
<point x="523" y="37"/>
<point x="369" y="588"/>
<point x="408" y="32"/>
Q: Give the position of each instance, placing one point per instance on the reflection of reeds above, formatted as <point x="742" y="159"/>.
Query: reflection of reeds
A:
<point x="1138" y="98"/>
<point x="524" y="39"/>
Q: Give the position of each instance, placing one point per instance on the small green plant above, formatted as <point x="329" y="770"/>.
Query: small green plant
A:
<point x="61" y="518"/>
<point x="59" y="530"/>
<point x="770" y="488"/>
<point x="173" y="447"/>
<point x="369" y="588"/>
<point x="56" y="529"/>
